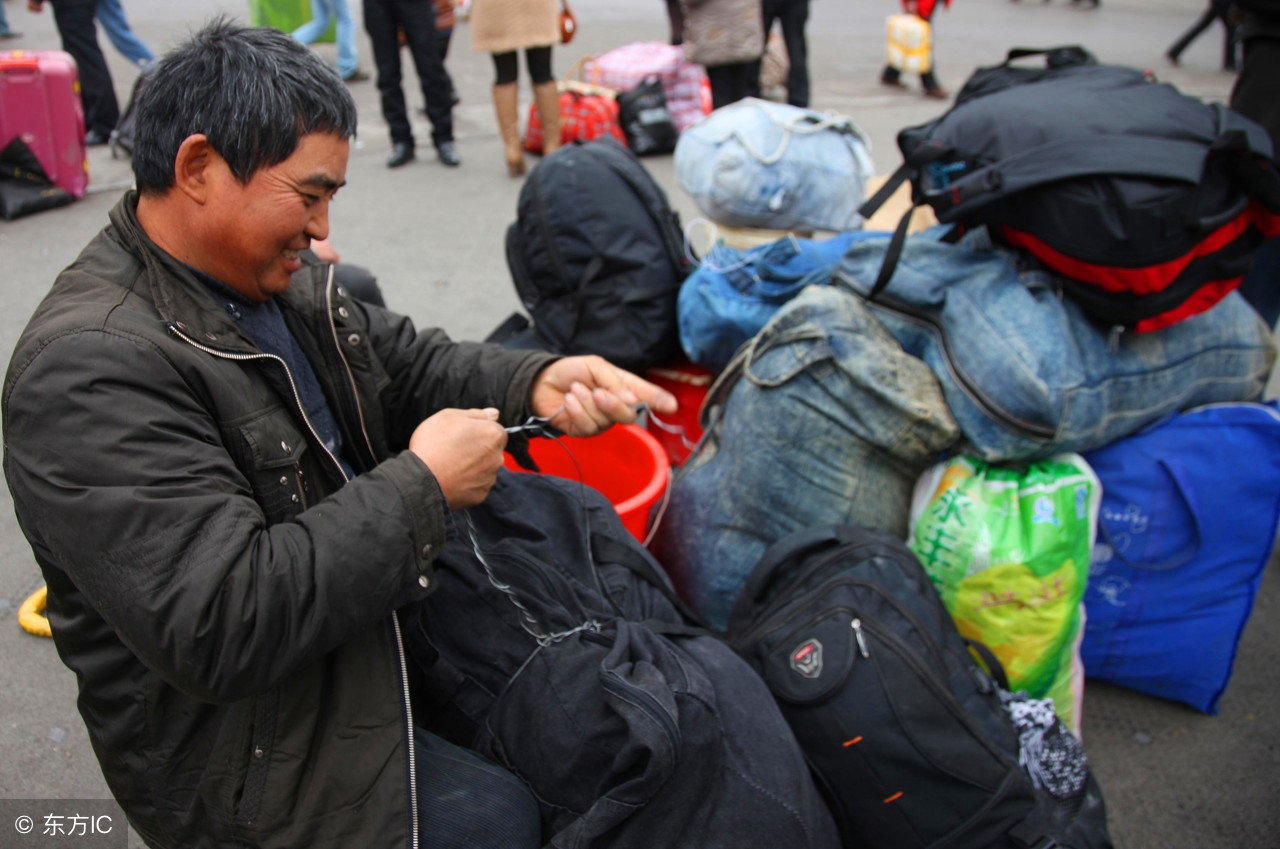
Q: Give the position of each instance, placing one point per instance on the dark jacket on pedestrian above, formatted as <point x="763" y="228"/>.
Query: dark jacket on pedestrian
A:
<point x="224" y="595"/>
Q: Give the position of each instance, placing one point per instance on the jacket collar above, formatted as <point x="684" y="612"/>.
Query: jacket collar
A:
<point x="185" y="303"/>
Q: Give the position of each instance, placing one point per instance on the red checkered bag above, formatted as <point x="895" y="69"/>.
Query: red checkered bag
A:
<point x="582" y="116"/>
<point x="684" y="84"/>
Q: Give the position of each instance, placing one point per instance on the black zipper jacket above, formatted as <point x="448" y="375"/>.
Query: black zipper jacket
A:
<point x="223" y="595"/>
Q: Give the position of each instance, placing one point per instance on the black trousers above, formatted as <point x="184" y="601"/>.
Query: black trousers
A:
<point x="731" y="83"/>
<point x="74" y="19"/>
<point x="1215" y="10"/>
<point x="793" y="15"/>
<point x="418" y="20"/>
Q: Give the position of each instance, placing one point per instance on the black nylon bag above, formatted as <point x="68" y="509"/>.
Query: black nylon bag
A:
<point x="645" y="119"/>
<point x="554" y="645"/>
<point x="1148" y="203"/>
<point x="597" y="255"/>
<point x="903" y="728"/>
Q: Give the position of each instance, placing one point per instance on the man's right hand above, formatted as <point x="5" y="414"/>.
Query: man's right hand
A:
<point x="463" y="449"/>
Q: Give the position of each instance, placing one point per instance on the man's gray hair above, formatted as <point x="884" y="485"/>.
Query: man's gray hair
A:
<point x="254" y="93"/>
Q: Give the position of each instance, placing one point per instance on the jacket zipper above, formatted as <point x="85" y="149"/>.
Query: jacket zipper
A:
<point x="297" y="399"/>
<point x="395" y="623"/>
<point x="962" y="379"/>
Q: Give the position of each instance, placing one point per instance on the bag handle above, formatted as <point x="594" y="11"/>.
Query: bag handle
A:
<point x="605" y="549"/>
<point x="912" y="168"/>
<point x="1072" y="54"/>
<point x="774" y="562"/>
<point x="1183" y="489"/>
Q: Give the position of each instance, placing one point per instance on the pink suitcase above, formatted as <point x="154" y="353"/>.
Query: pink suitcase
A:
<point x="40" y="101"/>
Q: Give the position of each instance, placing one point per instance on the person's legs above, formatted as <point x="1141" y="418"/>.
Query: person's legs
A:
<point x="419" y="22"/>
<point x="794" y="16"/>
<point x="345" y="34"/>
<point x="506" y="106"/>
<point x="545" y="94"/>
<point x="721" y="78"/>
<point x="5" y="32"/>
<point x="468" y="802"/>
<point x="675" y="16"/>
<point x="312" y="30"/>
<point x="111" y="15"/>
<point x="74" y="19"/>
<point x="380" y="23"/>
<point x="1201" y="24"/>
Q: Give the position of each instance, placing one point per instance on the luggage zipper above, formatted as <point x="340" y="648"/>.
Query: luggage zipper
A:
<point x="753" y="634"/>
<point x="395" y="624"/>
<point x="963" y="380"/>
<point x="644" y="700"/>
<point x="898" y="647"/>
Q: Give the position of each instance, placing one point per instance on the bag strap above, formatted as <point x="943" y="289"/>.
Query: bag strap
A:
<point x="994" y="667"/>
<point x="911" y="169"/>
<point x="1057" y="57"/>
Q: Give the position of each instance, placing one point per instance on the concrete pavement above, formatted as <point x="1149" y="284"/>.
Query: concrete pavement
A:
<point x="1172" y="777"/>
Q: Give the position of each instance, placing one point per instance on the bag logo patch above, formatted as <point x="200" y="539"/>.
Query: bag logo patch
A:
<point x="807" y="659"/>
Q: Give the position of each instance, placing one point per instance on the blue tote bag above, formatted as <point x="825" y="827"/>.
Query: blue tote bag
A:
<point x="1188" y="520"/>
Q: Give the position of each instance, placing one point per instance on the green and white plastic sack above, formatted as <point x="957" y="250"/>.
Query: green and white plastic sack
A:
<point x="1008" y="549"/>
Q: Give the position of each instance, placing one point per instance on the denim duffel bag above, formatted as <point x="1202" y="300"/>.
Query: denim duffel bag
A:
<point x="820" y="419"/>
<point x="1026" y="372"/>
<point x="734" y="292"/>
<point x="772" y="166"/>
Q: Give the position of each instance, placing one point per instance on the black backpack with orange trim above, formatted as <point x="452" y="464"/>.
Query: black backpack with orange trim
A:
<point x="913" y="741"/>
<point x="1147" y="202"/>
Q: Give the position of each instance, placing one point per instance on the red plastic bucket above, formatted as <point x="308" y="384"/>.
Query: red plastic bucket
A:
<point x="625" y="463"/>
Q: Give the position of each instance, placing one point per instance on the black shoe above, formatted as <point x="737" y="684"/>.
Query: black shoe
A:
<point x="401" y="154"/>
<point x="96" y="138"/>
<point x="448" y="154"/>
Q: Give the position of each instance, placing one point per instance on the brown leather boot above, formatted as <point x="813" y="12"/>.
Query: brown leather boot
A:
<point x="506" y="105"/>
<point x="547" y="96"/>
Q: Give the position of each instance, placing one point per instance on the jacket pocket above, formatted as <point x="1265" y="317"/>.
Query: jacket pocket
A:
<point x="274" y="448"/>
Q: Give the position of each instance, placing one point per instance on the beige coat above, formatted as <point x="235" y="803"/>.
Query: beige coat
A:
<point x="500" y="26"/>
<point x="722" y="32"/>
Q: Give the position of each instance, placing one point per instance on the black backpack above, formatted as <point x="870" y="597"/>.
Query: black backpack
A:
<point x="122" y="133"/>
<point x="597" y="255"/>
<point x="1148" y="203"/>
<point x="554" y="645"/>
<point x="907" y="733"/>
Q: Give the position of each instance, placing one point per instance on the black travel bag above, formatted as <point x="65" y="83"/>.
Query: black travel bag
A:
<point x="643" y="114"/>
<point x="908" y="734"/>
<point x="554" y="645"/>
<point x="1149" y="203"/>
<point x="597" y="255"/>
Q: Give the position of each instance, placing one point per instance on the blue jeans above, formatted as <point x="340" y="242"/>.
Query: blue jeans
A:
<point x="468" y="802"/>
<point x="734" y="293"/>
<point x="776" y="167"/>
<point x="823" y="420"/>
<point x="311" y="31"/>
<point x="1025" y="370"/>
<point x="4" y="23"/>
<point x="111" y="15"/>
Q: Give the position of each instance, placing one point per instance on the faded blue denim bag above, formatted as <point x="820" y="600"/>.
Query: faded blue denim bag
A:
<point x="1026" y="372"/>
<point x="820" y="419"/>
<point x="734" y="292"/>
<point x="773" y="166"/>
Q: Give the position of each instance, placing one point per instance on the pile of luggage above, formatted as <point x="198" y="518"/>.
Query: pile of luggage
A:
<point x="939" y="476"/>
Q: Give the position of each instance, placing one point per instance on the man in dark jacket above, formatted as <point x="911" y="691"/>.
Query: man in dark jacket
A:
<point x="232" y="475"/>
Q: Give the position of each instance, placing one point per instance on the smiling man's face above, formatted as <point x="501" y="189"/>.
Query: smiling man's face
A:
<point x="260" y="226"/>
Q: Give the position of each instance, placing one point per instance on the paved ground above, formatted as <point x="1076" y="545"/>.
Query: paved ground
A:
<point x="1172" y="777"/>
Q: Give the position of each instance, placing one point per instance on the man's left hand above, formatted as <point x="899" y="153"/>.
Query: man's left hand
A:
<point x="587" y="394"/>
